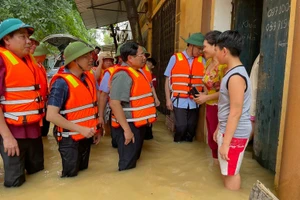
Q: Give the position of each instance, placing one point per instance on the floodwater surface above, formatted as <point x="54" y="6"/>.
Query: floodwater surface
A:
<point x="166" y="170"/>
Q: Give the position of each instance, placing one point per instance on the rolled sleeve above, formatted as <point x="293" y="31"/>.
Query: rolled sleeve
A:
<point x="58" y="93"/>
<point x="170" y="66"/>
<point x="120" y="87"/>
<point x="104" y="85"/>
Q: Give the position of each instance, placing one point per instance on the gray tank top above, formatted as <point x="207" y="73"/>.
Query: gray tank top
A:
<point x="244" y="126"/>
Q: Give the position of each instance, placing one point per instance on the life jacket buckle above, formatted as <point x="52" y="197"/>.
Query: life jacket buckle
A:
<point x="24" y="120"/>
<point x="39" y="99"/>
<point x="37" y="87"/>
<point x="95" y="103"/>
<point x="41" y="110"/>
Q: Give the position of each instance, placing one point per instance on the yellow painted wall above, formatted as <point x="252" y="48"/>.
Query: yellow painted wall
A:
<point x="188" y="20"/>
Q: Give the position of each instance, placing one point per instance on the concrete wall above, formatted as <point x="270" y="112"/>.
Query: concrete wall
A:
<point x="289" y="181"/>
<point x="222" y="15"/>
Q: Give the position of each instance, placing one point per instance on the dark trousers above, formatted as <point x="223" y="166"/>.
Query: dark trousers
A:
<point x="185" y="124"/>
<point x="113" y="135"/>
<point x="31" y="159"/>
<point x="75" y="155"/>
<point x="45" y="127"/>
<point x="130" y="153"/>
<point x="149" y="133"/>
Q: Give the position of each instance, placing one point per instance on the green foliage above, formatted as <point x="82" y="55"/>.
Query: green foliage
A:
<point x="48" y="17"/>
<point x="107" y="39"/>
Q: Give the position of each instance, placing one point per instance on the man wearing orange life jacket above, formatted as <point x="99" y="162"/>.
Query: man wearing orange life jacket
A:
<point x="185" y="71"/>
<point x="95" y="56"/>
<point x="146" y="70"/>
<point x="21" y="105"/>
<point x="72" y="107"/>
<point x="104" y="109"/>
<point x="105" y="61"/>
<point x="40" y="52"/>
<point x="132" y="104"/>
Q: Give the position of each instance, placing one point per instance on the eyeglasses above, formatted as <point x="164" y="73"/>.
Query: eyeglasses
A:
<point x="199" y="48"/>
<point x="88" y="55"/>
<point x="140" y="55"/>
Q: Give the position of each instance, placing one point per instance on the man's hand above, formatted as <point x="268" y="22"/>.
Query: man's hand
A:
<point x="100" y="58"/>
<point x="101" y="122"/>
<point x="169" y="104"/>
<point x="157" y="102"/>
<point x="87" y="132"/>
<point x="128" y="137"/>
<point x="97" y="139"/>
<point x="200" y="98"/>
<point x="224" y="151"/>
<point x="11" y="146"/>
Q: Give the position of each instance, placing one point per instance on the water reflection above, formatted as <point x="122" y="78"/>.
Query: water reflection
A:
<point x="166" y="170"/>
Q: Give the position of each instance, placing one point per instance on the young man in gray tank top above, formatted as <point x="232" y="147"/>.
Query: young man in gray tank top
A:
<point x="234" y="126"/>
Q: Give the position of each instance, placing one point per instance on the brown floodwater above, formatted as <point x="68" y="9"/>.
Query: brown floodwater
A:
<point x="166" y="170"/>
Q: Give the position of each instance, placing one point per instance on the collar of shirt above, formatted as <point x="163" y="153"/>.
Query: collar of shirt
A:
<point x="82" y="78"/>
<point x="187" y="56"/>
<point x="124" y="64"/>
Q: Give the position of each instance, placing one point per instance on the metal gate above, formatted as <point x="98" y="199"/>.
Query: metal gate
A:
<point x="163" y="37"/>
<point x="275" y="28"/>
<point x="247" y="19"/>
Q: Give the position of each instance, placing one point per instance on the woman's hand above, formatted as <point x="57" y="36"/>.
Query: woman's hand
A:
<point x="200" y="98"/>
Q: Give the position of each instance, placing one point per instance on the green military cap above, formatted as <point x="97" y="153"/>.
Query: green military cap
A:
<point x="32" y="37"/>
<point x="196" y="39"/>
<point x="75" y="50"/>
<point x="118" y="51"/>
<point x="41" y="50"/>
<point x="12" y="24"/>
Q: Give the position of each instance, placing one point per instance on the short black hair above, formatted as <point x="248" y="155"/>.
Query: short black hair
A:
<point x="212" y="36"/>
<point x="232" y="41"/>
<point x="98" y="48"/>
<point x="152" y="60"/>
<point x="128" y="49"/>
<point x="2" y="43"/>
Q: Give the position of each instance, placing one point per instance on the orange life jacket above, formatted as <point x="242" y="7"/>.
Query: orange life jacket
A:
<point x="61" y="69"/>
<point x="142" y="106"/>
<point x="183" y="77"/>
<point x="81" y="106"/>
<point x="21" y="103"/>
<point x="101" y="75"/>
<point x="110" y="70"/>
<point x="43" y="81"/>
<point x="147" y="73"/>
